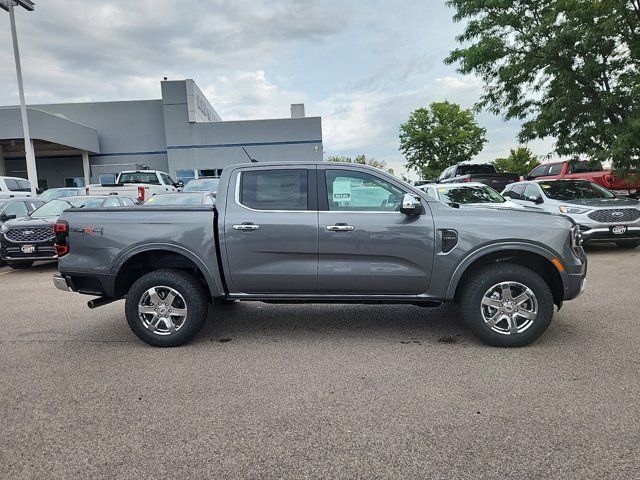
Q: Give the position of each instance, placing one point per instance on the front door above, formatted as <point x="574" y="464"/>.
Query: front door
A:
<point x="366" y="245"/>
<point x="271" y="230"/>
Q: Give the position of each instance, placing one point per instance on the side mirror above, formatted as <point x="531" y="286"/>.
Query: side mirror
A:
<point x="179" y="184"/>
<point x="4" y="217"/>
<point x="534" y="199"/>
<point x="411" y="205"/>
<point x="39" y="191"/>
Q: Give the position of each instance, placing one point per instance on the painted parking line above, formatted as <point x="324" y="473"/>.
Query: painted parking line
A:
<point x="8" y="271"/>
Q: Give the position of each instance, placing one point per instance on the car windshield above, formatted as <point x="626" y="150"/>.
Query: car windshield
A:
<point x="54" y="208"/>
<point x="58" y="193"/>
<point x="202" y="185"/>
<point x="470" y="194"/>
<point x="574" y="190"/>
<point x="174" y="199"/>
<point x="139" y="177"/>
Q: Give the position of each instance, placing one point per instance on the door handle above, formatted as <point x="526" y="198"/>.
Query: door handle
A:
<point x="340" y="227"/>
<point x="246" y="227"/>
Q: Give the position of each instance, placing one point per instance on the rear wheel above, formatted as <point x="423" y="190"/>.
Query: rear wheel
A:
<point x="166" y="308"/>
<point x="627" y="244"/>
<point x="507" y="305"/>
<point x="21" y="264"/>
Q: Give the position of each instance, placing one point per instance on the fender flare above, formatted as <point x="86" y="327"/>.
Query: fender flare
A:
<point x="212" y="281"/>
<point x="535" y="248"/>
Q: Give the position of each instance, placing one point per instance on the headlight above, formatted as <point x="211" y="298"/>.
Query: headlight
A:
<point x="564" y="209"/>
<point x="3" y="229"/>
<point x="576" y="237"/>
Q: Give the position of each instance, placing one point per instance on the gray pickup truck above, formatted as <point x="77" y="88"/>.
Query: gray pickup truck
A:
<point x="321" y="232"/>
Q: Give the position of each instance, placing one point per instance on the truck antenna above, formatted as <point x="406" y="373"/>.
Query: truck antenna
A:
<point x="253" y="160"/>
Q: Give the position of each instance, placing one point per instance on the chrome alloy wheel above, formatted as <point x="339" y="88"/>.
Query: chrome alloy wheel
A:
<point x="509" y="308"/>
<point x="162" y="310"/>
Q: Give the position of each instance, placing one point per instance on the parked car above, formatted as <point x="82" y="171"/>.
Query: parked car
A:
<point x="54" y="193"/>
<point x="291" y="232"/>
<point x="11" y="187"/>
<point x="472" y="194"/>
<point x="16" y="208"/>
<point x="140" y="184"/>
<point x="481" y="173"/>
<point x="602" y="216"/>
<point x="583" y="170"/>
<point x="202" y="185"/>
<point x="26" y="240"/>
<point x="181" y="199"/>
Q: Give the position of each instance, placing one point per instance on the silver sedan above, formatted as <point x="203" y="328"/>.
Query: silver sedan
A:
<point x="602" y="216"/>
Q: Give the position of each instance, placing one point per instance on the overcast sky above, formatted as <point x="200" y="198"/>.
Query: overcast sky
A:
<point x="362" y="65"/>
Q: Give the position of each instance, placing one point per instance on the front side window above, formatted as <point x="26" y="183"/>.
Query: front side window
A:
<point x="517" y="191"/>
<point x="107" y="178"/>
<point x="280" y="189"/>
<point x="12" y="185"/>
<point x="555" y="169"/>
<point x="19" y="209"/>
<point x="167" y="179"/>
<point x="538" y="171"/>
<point x="359" y="191"/>
<point x="531" y="191"/>
<point x="112" y="202"/>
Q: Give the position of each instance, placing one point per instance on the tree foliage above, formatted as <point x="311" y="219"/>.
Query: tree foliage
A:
<point x="567" y="68"/>
<point x="520" y="160"/>
<point x="437" y="137"/>
<point x="363" y="160"/>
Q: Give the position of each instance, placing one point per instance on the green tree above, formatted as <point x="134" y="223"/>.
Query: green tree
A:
<point x="566" y="68"/>
<point x="520" y="160"/>
<point x="363" y="160"/>
<point x="437" y="137"/>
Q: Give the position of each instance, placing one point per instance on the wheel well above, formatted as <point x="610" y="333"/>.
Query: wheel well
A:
<point x="145" y="262"/>
<point x="533" y="261"/>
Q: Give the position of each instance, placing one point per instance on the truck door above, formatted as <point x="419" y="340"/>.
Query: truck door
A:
<point x="271" y="230"/>
<point x="366" y="245"/>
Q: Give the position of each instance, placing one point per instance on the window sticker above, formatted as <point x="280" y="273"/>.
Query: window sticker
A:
<point x="341" y="190"/>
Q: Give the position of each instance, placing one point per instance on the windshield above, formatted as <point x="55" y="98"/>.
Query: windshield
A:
<point x="139" y="177"/>
<point x="174" y="199"/>
<point x="471" y="194"/>
<point x="202" y="185"/>
<point x="53" y="194"/>
<point x="54" y="208"/>
<point x="574" y="190"/>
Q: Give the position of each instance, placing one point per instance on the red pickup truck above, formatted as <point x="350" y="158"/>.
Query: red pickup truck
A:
<point x="584" y="170"/>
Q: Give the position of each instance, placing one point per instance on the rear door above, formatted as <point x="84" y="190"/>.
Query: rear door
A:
<point x="366" y="245"/>
<point x="271" y="230"/>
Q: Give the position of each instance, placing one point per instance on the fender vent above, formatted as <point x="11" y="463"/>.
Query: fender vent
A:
<point x="449" y="240"/>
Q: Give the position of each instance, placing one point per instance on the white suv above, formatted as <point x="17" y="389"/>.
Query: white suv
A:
<point x="11" y="187"/>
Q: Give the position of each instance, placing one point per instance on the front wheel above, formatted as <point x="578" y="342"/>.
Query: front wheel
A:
<point x="507" y="305"/>
<point x="166" y="308"/>
<point x="21" y="265"/>
<point x="627" y="244"/>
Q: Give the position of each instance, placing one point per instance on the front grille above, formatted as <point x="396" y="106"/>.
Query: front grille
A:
<point x="619" y="215"/>
<point x="30" y="235"/>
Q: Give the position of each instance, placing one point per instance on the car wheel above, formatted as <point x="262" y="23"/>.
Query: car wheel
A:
<point x="166" y="308"/>
<point x="507" y="305"/>
<point x="21" y="265"/>
<point x="627" y="244"/>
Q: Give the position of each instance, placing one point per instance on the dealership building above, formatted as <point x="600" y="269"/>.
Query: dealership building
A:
<point x="181" y="133"/>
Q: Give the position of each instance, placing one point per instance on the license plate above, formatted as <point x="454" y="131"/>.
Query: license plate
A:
<point x="28" y="248"/>
<point x="619" y="230"/>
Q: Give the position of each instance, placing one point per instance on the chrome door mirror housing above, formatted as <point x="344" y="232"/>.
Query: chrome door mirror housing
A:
<point x="411" y="205"/>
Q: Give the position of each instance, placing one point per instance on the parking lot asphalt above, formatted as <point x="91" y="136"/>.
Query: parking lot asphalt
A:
<point x="320" y="391"/>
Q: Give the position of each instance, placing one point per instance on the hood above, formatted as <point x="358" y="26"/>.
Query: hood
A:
<point x="616" y="202"/>
<point x="30" y="222"/>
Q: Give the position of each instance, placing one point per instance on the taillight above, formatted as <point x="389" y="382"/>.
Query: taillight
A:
<point x="86" y="190"/>
<point x="608" y="180"/>
<point x="61" y="230"/>
<point x="141" y="194"/>
<point x="466" y="179"/>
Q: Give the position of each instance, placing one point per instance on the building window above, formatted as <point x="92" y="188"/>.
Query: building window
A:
<point x="74" y="182"/>
<point x="185" y="175"/>
<point x="107" y="178"/>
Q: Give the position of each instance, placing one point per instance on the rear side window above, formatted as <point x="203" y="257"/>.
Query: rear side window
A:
<point x="12" y="184"/>
<point x="585" y="167"/>
<point x="127" y="202"/>
<point x="280" y="189"/>
<point x="112" y="202"/>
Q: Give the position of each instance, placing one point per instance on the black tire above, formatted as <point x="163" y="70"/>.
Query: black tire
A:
<point x="475" y="288"/>
<point x="21" y="265"/>
<point x="195" y="302"/>
<point x="627" y="244"/>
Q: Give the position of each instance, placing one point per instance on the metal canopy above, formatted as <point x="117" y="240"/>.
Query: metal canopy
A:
<point x="26" y="4"/>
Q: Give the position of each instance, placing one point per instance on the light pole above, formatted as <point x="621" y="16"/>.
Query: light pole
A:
<point x="8" y="5"/>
